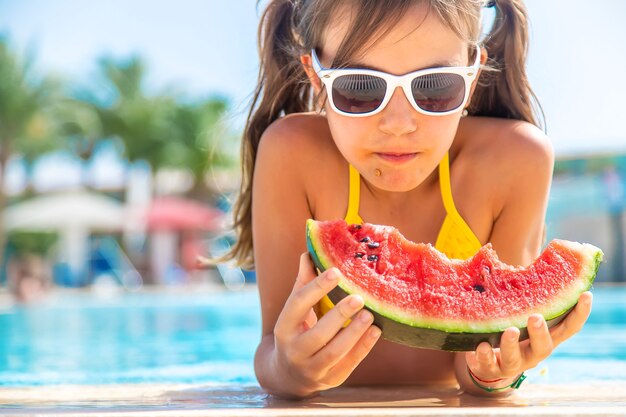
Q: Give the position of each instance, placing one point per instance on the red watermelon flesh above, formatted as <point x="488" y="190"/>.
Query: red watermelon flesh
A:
<point x="416" y="285"/>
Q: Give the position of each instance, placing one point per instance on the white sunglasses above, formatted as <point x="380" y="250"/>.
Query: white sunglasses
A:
<point x="362" y="92"/>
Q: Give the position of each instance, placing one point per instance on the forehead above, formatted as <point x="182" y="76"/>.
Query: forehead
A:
<point x="418" y="40"/>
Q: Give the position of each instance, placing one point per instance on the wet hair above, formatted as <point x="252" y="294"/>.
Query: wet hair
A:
<point x="291" y="28"/>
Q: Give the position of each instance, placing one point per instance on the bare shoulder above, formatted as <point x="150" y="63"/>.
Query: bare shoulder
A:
<point x="499" y="159"/>
<point x="524" y="145"/>
<point x="298" y="152"/>
<point x="513" y="163"/>
<point x="300" y="136"/>
<point x="507" y="143"/>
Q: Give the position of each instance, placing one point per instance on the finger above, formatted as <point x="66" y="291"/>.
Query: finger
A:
<point x="310" y="320"/>
<point x="344" y="341"/>
<point x="511" y="359"/>
<point x="574" y="320"/>
<point x="342" y="370"/>
<point x="541" y="344"/>
<point x="484" y="362"/>
<point x="306" y="271"/>
<point x="329" y="325"/>
<point x="302" y="300"/>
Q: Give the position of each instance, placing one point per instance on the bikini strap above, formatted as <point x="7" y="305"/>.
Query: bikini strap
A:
<point x="446" y="187"/>
<point x="465" y="242"/>
<point x="354" y="197"/>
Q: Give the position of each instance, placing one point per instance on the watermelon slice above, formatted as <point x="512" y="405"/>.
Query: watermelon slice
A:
<point x="421" y="298"/>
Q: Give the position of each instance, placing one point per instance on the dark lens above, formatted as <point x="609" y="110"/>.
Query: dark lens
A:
<point x="358" y="93"/>
<point x="439" y="92"/>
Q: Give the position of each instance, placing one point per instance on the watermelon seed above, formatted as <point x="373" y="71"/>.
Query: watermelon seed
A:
<point x="372" y="258"/>
<point x="359" y="255"/>
<point x="365" y="239"/>
<point x="373" y="245"/>
<point x="479" y="288"/>
<point x="354" y="228"/>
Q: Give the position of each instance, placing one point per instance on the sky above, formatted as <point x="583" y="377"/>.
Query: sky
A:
<point x="576" y="65"/>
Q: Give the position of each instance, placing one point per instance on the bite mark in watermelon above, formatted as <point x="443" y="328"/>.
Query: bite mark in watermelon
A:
<point x="420" y="297"/>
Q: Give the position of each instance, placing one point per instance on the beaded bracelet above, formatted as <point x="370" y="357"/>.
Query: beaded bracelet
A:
<point x="515" y="384"/>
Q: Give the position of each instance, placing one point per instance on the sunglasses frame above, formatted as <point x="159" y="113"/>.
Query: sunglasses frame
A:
<point x="328" y="76"/>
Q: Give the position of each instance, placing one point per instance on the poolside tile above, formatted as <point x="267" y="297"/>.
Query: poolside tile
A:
<point x="602" y="398"/>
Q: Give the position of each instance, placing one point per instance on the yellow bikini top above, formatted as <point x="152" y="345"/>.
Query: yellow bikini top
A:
<point x="455" y="238"/>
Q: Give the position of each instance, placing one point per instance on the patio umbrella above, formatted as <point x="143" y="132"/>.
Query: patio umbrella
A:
<point x="73" y="214"/>
<point x="178" y="214"/>
<point x="70" y="210"/>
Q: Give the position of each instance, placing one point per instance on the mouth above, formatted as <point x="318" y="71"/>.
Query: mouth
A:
<point x="397" y="158"/>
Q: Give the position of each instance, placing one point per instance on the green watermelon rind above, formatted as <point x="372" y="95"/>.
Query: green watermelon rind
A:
<point x="552" y="311"/>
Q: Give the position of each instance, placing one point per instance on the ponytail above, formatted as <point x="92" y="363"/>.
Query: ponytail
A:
<point x="503" y="89"/>
<point x="281" y="90"/>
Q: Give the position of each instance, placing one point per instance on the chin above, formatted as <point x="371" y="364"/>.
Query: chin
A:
<point x="398" y="184"/>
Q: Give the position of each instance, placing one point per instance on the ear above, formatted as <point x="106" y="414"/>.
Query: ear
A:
<point x="483" y="60"/>
<point x="307" y="64"/>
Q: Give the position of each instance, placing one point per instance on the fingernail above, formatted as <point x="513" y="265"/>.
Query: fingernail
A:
<point x="356" y="301"/>
<point x="538" y="323"/>
<point x="332" y="275"/>
<point x="365" y="316"/>
<point x="483" y="350"/>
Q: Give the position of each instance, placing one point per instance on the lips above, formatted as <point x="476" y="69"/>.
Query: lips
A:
<point x="397" y="157"/>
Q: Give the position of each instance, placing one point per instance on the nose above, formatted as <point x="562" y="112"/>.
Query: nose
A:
<point x="398" y="117"/>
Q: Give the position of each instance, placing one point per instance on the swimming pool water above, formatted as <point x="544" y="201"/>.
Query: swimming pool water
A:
<point x="598" y="352"/>
<point x="79" y="338"/>
<point x="131" y="338"/>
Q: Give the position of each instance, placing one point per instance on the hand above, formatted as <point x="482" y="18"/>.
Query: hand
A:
<point x="320" y="355"/>
<point x="513" y="357"/>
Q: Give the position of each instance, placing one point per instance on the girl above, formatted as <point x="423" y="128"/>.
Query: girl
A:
<point x="359" y="114"/>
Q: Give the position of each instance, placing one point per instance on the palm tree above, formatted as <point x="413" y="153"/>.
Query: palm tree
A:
<point x="200" y="143"/>
<point x="25" y="105"/>
<point x="81" y="126"/>
<point x="141" y="122"/>
<point x="160" y="129"/>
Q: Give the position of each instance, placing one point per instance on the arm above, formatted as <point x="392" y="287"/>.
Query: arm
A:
<point x="517" y="237"/>
<point x="299" y="355"/>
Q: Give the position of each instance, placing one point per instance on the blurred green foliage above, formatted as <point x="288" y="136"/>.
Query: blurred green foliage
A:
<point x="31" y="243"/>
<point x="27" y="106"/>
<point x="589" y="164"/>
<point x="166" y="129"/>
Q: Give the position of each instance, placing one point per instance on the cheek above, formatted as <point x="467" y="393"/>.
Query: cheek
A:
<point x="440" y="131"/>
<point x="349" y="132"/>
